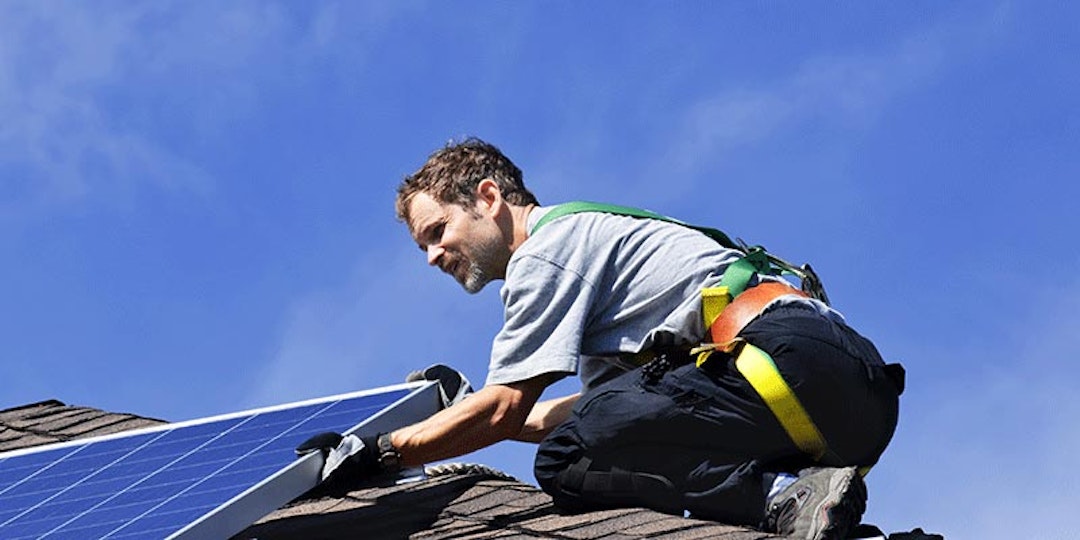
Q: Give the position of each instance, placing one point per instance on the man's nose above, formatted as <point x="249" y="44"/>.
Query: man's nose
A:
<point x="434" y="251"/>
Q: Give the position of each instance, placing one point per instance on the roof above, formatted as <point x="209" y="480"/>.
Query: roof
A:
<point x="52" y="421"/>
<point x="468" y="502"/>
<point x="475" y="505"/>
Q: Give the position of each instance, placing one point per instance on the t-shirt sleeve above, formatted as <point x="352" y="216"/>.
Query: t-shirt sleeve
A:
<point x="546" y="309"/>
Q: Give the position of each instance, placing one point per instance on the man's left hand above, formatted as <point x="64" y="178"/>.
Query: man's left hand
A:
<point x="453" y="386"/>
<point x="347" y="459"/>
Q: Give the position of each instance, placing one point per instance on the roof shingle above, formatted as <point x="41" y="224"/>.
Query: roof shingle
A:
<point x="52" y="421"/>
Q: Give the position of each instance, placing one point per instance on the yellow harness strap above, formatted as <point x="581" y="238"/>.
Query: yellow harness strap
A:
<point x="760" y="370"/>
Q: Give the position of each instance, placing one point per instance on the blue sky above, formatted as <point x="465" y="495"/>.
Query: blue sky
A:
<point x="196" y="200"/>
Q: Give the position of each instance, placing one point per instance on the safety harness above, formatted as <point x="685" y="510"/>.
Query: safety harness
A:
<point x="753" y="363"/>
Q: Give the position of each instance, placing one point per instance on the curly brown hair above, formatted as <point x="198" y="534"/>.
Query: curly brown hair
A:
<point x="451" y="174"/>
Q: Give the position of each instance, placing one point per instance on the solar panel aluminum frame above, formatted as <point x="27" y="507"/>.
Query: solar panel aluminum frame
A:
<point x="303" y="474"/>
<point x="291" y="481"/>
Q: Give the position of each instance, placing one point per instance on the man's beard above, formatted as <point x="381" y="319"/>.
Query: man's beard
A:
<point x="476" y="276"/>
<point x="475" y="279"/>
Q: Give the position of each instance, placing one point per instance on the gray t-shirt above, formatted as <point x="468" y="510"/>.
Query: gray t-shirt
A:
<point x="589" y="287"/>
<point x="596" y="285"/>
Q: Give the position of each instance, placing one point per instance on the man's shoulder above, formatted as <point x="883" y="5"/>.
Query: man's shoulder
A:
<point x="593" y="229"/>
<point x="545" y="219"/>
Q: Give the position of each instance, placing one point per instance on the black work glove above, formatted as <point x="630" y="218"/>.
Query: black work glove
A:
<point x="347" y="459"/>
<point x="453" y="386"/>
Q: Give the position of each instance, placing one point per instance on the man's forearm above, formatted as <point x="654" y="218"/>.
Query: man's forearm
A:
<point x="544" y="416"/>
<point x="492" y="414"/>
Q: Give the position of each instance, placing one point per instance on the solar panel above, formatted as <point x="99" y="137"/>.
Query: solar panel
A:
<point x="205" y="478"/>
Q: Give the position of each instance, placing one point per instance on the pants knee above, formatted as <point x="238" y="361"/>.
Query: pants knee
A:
<point x="555" y="454"/>
<point x="581" y="487"/>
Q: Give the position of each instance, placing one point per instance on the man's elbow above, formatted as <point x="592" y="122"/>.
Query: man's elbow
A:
<point x="509" y="415"/>
<point x="515" y="402"/>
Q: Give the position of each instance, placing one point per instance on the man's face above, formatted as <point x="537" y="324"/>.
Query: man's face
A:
<point x="465" y="245"/>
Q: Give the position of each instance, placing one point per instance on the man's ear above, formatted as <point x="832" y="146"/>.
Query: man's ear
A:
<point x="488" y="196"/>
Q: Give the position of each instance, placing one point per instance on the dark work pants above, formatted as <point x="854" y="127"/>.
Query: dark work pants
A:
<point x="702" y="439"/>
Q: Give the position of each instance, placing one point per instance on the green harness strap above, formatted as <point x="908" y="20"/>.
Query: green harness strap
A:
<point x="735" y="278"/>
<point x="577" y="207"/>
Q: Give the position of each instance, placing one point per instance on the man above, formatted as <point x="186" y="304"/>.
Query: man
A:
<point x="597" y="295"/>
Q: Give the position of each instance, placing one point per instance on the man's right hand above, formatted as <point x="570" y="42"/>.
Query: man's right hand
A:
<point x="453" y="386"/>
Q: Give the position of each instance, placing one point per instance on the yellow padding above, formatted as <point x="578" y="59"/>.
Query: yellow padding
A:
<point x="760" y="370"/>
<point x="713" y="301"/>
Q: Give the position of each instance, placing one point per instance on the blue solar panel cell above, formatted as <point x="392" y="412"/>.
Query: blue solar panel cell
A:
<point x="153" y="483"/>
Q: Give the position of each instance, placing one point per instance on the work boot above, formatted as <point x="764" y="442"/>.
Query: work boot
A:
<point x="823" y="504"/>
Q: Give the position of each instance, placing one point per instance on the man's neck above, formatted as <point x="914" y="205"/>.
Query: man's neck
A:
<point x="520" y="218"/>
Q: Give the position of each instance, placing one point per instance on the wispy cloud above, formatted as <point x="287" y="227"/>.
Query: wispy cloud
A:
<point x="94" y="98"/>
<point x="847" y="90"/>
<point x="58" y="141"/>
<point x="992" y="454"/>
<point x="348" y="336"/>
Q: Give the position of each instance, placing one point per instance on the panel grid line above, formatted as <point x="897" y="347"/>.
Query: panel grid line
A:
<point x="37" y="472"/>
<point x="203" y="478"/>
<point x="80" y="481"/>
<point x="149" y="476"/>
<point x="207" y="477"/>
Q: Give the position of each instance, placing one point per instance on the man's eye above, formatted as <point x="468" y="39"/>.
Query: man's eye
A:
<point x="432" y="236"/>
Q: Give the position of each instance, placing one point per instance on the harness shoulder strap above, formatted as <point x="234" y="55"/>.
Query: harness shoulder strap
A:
<point x="738" y="275"/>
<point x="577" y="207"/>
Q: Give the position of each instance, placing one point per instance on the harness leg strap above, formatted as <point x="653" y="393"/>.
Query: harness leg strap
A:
<point x="760" y="371"/>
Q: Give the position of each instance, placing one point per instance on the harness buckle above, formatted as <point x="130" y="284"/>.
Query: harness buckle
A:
<point x="811" y="284"/>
